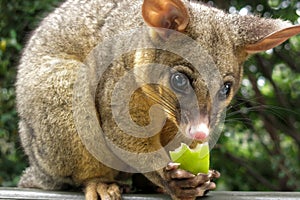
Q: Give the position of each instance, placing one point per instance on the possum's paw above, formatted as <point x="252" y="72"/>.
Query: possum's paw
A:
<point x="185" y="185"/>
<point x="95" y="188"/>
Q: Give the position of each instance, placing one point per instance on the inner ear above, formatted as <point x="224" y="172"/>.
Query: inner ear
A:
<point x="169" y="14"/>
<point x="272" y="40"/>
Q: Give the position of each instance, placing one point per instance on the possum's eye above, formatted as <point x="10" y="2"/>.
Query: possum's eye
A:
<point x="179" y="82"/>
<point x="225" y="91"/>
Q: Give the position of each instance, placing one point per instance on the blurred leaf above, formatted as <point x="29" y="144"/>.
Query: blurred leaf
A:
<point x="17" y="19"/>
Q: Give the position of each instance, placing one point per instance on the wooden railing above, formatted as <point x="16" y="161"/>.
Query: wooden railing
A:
<point x="17" y="193"/>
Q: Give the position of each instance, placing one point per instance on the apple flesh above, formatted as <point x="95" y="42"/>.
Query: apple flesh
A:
<point x="193" y="160"/>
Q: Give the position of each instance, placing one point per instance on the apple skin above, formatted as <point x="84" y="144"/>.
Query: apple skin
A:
<point x="192" y="160"/>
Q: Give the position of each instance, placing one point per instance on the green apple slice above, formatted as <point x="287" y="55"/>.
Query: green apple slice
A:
<point x="192" y="160"/>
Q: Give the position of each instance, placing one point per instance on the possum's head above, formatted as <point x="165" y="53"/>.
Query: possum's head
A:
<point x="228" y="38"/>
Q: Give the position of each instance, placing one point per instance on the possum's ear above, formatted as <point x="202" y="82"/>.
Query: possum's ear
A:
<point x="168" y="14"/>
<point x="273" y="39"/>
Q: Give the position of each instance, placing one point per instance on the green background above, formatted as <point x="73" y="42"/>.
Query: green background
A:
<point x="259" y="148"/>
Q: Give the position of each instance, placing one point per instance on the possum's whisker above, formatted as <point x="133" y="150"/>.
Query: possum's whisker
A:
<point x="267" y="108"/>
<point x="244" y="120"/>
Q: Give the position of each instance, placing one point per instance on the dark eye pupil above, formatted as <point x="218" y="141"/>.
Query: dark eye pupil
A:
<point x="179" y="82"/>
<point x="225" y="91"/>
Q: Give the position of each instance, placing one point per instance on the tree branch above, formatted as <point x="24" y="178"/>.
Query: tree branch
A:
<point x="252" y="172"/>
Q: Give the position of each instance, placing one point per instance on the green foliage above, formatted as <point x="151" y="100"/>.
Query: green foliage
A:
<point x="259" y="149"/>
<point x="261" y="142"/>
<point x="17" y="19"/>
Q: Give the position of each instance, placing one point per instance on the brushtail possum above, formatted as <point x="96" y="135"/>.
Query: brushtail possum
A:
<point x="58" y="49"/>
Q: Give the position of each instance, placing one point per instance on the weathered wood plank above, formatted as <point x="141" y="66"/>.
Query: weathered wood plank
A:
<point x="26" y="194"/>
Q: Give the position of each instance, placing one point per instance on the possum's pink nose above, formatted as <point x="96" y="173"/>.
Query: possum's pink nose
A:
<point x="199" y="132"/>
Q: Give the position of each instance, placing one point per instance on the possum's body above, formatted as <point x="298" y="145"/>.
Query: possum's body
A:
<point x="59" y="46"/>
